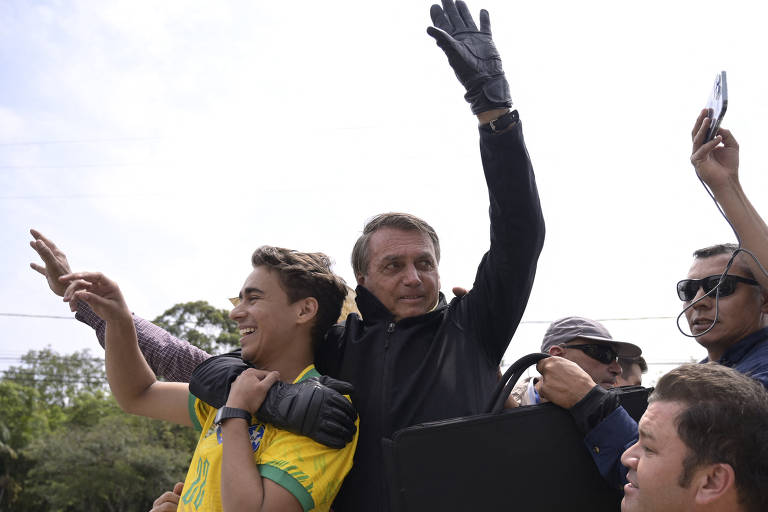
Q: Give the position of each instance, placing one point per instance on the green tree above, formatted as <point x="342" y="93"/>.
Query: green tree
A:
<point x="201" y="324"/>
<point x="59" y="378"/>
<point x="121" y="464"/>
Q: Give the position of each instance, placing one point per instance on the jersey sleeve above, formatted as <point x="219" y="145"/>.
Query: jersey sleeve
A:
<point x="310" y="471"/>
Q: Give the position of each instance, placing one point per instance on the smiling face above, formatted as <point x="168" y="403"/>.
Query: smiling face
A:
<point x="402" y="272"/>
<point x="266" y="318"/>
<point x="655" y="464"/>
<point x="739" y="314"/>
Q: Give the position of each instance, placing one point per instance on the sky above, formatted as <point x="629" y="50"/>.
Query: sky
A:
<point x="161" y="142"/>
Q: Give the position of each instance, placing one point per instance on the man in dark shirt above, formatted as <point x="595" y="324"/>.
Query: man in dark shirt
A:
<point x="413" y="357"/>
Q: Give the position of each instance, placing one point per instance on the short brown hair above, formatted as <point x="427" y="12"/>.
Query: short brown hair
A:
<point x="402" y="221"/>
<point x="306" y="274"/>
<point x="725" y="420"/>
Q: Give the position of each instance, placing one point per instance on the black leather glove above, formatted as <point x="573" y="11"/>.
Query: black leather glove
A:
<point x="314" y="407"/>
<point x="472" y="55"/>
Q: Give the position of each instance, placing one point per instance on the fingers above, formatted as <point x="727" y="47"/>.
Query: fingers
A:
<point x="345" y="388"/>
<point x="38" y="268"/>
<point x="728" y="139"/>
<point x="439" y="19"/>
<point x="449" y="8"/>
<point x="39" y="236"/>
<point x="168" y="501"/>
<point x="485" y="21"/>
<point x="74" y="287"/>
<point x="458" y="291"/>
<point x="45" y="253"/>
<point x="697" y="125"/>
<point x="466" y="17"/>
<point x="704" y="150"/>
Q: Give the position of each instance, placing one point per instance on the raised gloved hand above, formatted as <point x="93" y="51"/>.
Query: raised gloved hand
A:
<point x="314" y="407"/>
<point x="472" y="55"/>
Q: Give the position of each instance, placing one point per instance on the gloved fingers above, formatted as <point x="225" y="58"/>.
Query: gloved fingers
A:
<point x="485" y="21"/>
<point x="465" y="15"/>
<point x="345" y="388"/>
<point x="336" y="435"/>
<point x="449" y="8"/>
<point x="439" y="19"/>
<point x="341" y="408"/>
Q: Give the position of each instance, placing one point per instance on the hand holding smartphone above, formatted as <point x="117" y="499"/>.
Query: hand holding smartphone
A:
<point x="717" y="104"/>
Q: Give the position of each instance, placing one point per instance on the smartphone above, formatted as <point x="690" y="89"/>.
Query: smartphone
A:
<point x="717" y="104"/>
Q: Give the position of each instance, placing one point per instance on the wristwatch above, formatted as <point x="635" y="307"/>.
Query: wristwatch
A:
<point x="226" y="413"/>
<point x="505" y="121"/>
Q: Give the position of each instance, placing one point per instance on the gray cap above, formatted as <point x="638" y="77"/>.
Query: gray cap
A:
<point x="566" y="329"/>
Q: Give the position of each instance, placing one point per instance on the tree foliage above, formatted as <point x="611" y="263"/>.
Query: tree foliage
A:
<point x="65" y="444"/>
<point x="201" y="324"/>
<point x="59" y="378"/>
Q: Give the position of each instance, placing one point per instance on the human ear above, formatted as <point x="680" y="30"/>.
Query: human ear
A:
<point x="360" y="279"/>
<point x="307" y="310"/>
<point x="713" y="482"/>
<point x="557" y="350"/>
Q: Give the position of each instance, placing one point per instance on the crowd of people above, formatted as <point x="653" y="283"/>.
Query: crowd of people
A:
<point x="278" y="431"/>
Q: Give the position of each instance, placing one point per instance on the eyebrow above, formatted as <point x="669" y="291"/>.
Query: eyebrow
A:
<point x="424" y="254"/>
<point x="645" y="433"/>
<point x="249" y="291"/>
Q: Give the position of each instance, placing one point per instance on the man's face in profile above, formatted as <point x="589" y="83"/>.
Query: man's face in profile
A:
<point x="402" y="272"/>
<point x="655" y="464"/>
<point x="738" y="314"/>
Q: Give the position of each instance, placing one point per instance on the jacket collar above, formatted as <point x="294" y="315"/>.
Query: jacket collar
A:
<point x="736" y="353"/>
<point x="372" y="310"/>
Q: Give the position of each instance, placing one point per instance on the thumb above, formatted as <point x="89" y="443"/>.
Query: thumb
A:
<point x="442" y="38"/>
<point x="178" y="488"/>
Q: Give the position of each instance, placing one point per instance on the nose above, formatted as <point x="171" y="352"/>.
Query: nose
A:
<point x="236" y="312"/>
<point x="411" y="277"/>
<point x="629" y="457"/>
<point x="614" y="367"/>
<point x="705" y="302"/>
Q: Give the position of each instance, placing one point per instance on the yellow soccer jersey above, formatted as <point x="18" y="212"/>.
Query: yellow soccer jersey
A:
<point x="310" y="471"/>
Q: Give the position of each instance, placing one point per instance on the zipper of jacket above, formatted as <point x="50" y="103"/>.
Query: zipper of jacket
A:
<point x="384" y="402"/>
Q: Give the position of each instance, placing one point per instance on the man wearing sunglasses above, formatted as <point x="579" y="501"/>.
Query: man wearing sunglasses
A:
<point x="588" y="344"/>
<point x="726" y="314"/>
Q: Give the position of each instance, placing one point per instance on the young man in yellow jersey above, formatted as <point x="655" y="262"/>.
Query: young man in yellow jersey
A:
<point x="287" y="303"/>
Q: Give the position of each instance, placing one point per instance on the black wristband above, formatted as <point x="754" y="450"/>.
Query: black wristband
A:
<point x="503" y="122"/>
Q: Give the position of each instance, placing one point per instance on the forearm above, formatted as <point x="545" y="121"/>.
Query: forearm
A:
<point x="242" y="487"/>
<point x="751" y="228"/>
<point x="168" y="356"/>
<point x="128" y="374"/>
<point x="505" y="276"/>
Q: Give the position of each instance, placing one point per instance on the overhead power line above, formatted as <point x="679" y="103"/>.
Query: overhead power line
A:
<point x="77" y="141"/>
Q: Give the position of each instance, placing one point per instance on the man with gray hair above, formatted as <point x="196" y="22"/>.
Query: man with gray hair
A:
<point x="413" y="357"/>
<point x="587" y="343"/>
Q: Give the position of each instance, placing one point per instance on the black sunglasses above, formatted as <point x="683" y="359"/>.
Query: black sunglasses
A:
<point x="688" y="288"/>
<point x="599" y="352"/>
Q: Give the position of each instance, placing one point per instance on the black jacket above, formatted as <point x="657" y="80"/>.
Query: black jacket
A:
<point x="442" y="364"/>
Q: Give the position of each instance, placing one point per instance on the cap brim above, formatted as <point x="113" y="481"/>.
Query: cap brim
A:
<point x="623" y="349"/>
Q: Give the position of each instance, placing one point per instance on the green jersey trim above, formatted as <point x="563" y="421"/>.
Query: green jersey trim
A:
<point x="289" y="483"/>
<point x="192" y="414"/>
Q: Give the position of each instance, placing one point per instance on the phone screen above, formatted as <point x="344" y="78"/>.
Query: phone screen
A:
<point x="717" y="104"/>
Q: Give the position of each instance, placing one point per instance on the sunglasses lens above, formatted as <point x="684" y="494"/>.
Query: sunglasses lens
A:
<point x="687" y="288"/>
<point x="601" y="353"/>
<point x="727" y="287"/>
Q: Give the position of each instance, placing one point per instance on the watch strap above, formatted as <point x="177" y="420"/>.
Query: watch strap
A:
<point x="226" y="413"/>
